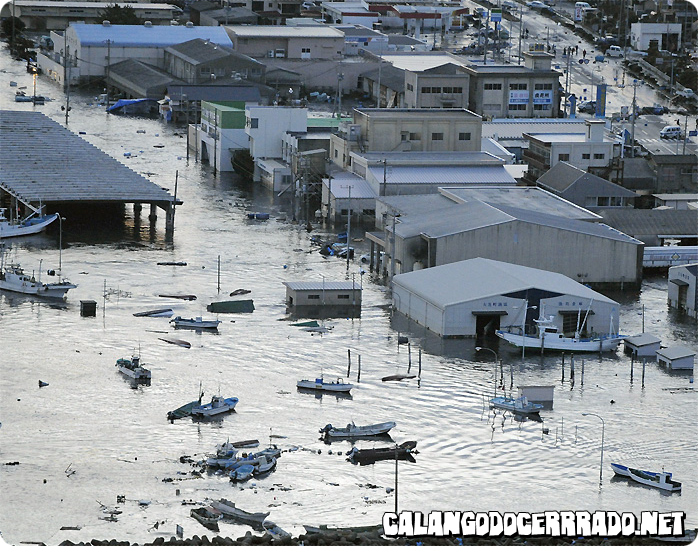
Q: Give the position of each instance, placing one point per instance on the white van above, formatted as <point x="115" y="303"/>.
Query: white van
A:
<point x="582" y="5"/>
<point x="614" y="51"/>
<point x="671" y="131"/>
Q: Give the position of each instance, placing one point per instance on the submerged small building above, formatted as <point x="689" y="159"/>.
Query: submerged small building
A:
<point x="324" y="299"/>
<point x="683" y="292"/>
<point x="478" y="296"/>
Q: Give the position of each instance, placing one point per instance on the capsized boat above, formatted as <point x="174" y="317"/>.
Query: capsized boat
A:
<point x="206" y="517"/>
<point x="549" y="337"/>
<point x="132" y="368"/>
<point x="217" y="406"/>
<point x="28" y="226"/>
<point x="660" y="480"/>
<point x="155" y="313"/>
<point x="354" y="431"/>
<point x="517" y="405"/>
<point x="14" y="279"/>
<point x="228" y="509"/>
<point x="403" y="451"/>
<point x="197" y="322"/>
<point x="321" y="385"/>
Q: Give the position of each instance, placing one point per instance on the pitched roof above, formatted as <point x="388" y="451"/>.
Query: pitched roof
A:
<point x="638" y="222"/>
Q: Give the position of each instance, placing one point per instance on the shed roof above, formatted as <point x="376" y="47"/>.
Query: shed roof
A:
<point x="443" y="174"/>
<point x="198" y="51"/>
<point x="278" y="31"/>
<point x="360" y="189"/>
<point x="142" y="36"/>
<point x="674" y="353"/>
<point x="443" y="285"/>
<point x="514" y="128"/>
<point x="641" y="340"/>
<point x="68" y="168"/>
<point x="320" y="285"/>
<point x="563" y="175"/>
<point x="638" y="222"/>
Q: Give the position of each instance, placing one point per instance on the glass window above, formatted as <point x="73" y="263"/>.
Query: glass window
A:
<point x="586" y="156"/>
<point x="563" y="157"/>
<point x="599" y="156"/>
<point x="463" y="136"/>
<point x="437" y="136"/>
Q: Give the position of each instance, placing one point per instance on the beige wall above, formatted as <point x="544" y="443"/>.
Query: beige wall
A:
<point x="416" y="97"/>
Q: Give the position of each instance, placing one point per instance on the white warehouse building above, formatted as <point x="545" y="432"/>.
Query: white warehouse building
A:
<point x="478" y="296"/>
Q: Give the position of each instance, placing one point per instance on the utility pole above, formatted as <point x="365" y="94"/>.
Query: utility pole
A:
<point x="385" y="177"/>
<point x="632" y="130"/>
<point x="685" y="133"/>
<point x="392" y="251"/>
<point x="108" y="63"/>
<point x="487" y="32"/>
<point x="185" y="100"/>
<point x="520" y="28"/>
<point x="567" y="82"/>
<point x="66" y="81"/>
<point x="340" y="77"/>
<point x="380" y="66"/>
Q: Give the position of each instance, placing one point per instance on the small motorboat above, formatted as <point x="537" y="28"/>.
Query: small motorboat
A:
<point x="267" y="464"/>
<point x="516" y="405"/>
<point x="217" y="406"/>
<point x="131" y="367"/>
<point x="196" y="323"/>
<point x="321" y="385"/>
<point x="241" y="473"/>
<point x="353" y="431"/>
<point x="660" y="480"/>
<point x="206" y="517"/>
<point x="228" y="509"/>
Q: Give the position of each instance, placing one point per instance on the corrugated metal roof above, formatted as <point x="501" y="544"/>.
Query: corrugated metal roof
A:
<point x="443" y="285"/>
<point x="422" y="61"/>
<point x="142" y="36"/>
<point x="278" y="31"/>
<point x="673" y="353"/>
<point x="639" y="222"/>
<point x="514" y="128"/>
<point x="40" y="160"/>
<point x="443" y="174"/>
<point x="642" y="339"/>
<point x="360" y="189"/>
<point x="198" y="51"/>
<point x="319" y="285"/>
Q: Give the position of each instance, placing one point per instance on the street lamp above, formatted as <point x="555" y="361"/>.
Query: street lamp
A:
<point x="603" y="426"/>
<point x="496" y="360"/>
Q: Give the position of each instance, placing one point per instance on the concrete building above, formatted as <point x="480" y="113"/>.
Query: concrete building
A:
<point x="444" y="86"/>
<point x="357" y="37"/>
<point x="667" y="35"/>
<point x="228" y="16"/>
<point x="655" y="227"/>
<point x="94" y="47"/>
<point x="221" y="132"/>
<point x="683" y="292"/>
<point x="52" y="15"/>
<point x="320" y="299"/>
<point x="389" y="129"/>
<point x="677" y="358"/>
<point x="642" y="345"/>
<point x="349" y="13"/>
<point x="266" y="125"/>
<point x="589" y="252"/>
<point x="301" y="42"/>
<point x="498" y="295"/>
<point x="678" y="201"/>
<point x="588" y="151"/>
<point x="585" y="189"/>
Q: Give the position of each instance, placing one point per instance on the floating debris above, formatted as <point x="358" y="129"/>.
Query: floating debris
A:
<point x="42" y="383"/>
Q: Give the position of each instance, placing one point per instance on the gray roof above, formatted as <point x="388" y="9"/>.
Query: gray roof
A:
<point x="320" y="285"/>
<point x="641" y="340"/>
<point x="673" y="353"/>
<point x="220" y="91"/>
<point x="443" y="285"/>
<point x="563" y="175"/>
<point x="40" y="160"/>
<point x="442" y="174"/>
<point x="198" y="51"/>
<point x="417" y="205"/>
<point x="514" y="128"/>
<point x="390" y="77"/>
<point x="452" y="159"/>
<point x="637" y="167"/>
<point x="638" y="222"/>
<point x="141" y="79"/>
<point x="401" y="39"/>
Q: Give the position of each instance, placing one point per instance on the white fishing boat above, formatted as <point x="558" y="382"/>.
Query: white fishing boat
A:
<point x="517" y="405"/>
<point x="228" y="508"/>
<point x="217" y="406"/>
<point x="197" y="322"/>
<point x="29" y="226"/>
<point x="14" y="279"/>
<point x="354" y="431"/>
<point x="549" y="337"/>
<point x="132" y="368"/>
<point x="319" y="384"/>
<point x="266" y="464"/>
<point x="660" y="480"/>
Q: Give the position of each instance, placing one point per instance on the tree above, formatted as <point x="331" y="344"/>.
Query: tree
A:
<point x="118" y="15"/>
<point x="6" y="26"/>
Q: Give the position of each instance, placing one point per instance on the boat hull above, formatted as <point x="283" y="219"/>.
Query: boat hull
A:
<point x="32" y="227"/>
<point x="353" y="431"/>
<point x="56" y="290"/>
<point x="209" y="410"/>
<point x="322" y="386"/>
<point x="561" y="344"/>
<point x="229" y="509"/>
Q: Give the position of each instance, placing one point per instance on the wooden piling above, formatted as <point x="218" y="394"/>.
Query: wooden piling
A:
<point x="582" y="372"/>
<point x="632" y="366"/>
<point x="644" y="361"/>
<point x="409" y="354"/>
<point x="349" y="362"/>
<point x="358" y="374"/>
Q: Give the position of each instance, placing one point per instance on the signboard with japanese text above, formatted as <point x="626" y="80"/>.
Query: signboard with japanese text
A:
<point x="542" y="97"/>
<point x="518" y="97"/>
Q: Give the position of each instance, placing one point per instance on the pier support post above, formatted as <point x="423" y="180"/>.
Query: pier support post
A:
<point x="137" y="208"/>
<point x="153" y="216"/>
<point x="169" y="223"/>
<point x="370" y="263"/>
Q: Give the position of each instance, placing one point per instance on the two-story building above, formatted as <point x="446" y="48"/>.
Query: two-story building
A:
<point x="300" y="42"/>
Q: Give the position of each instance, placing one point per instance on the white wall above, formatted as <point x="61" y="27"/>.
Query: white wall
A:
<point x="272" y="123"/>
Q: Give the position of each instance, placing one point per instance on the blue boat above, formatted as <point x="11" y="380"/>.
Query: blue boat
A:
<point x="217" y="405"/>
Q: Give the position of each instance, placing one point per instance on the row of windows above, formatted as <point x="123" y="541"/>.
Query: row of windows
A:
<point x="518" y="107"/>
<point x="435" y="136"/>
<point x="542" y="106"/>
<point x="518" y="86"/>
<point x="566" y="157"/>
<point x="410" y="87"/>
<point x="493" y="86"/>
<point x="543" y="86"/>
<point x="439" y="89"/>
<point x="317" y="296"/>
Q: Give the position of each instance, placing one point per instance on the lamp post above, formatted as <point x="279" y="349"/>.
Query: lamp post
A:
<point x="496" y="360"/>
<point x="603" y="426"/>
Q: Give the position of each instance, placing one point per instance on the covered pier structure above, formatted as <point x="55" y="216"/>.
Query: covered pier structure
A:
<point x="44" y="165"/>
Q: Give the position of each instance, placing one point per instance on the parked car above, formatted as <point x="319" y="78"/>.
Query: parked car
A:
<point x="614" y="51"/>
<point x="671" y="131"/>
<point x="687" y="93"/>
<point x="536" y="4"/>
<point x="587" y="106"/>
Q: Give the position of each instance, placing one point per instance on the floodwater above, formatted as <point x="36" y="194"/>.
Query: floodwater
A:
<point x="89" y="437"/>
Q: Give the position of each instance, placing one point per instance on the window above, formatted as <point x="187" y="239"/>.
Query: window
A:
<point x="493" y="86"/>
<point x="586" y="156"/>
<point x="496" y="107"/>
<point x="336" y="154"/>
<point x="437" y="136"/>
<point x="426" y="89"/>
<point x="313" y="296"/>
<point x="415" y="136"/>
<point x="563" y="157"/>
<point x="403" y="137"/>
<point x="517" y="107"/>
<point x="603" y="201"/>
<point x="541" y="107"/>
<point x="369" y="212"/>
<point x="457" y="89"/>
<point x="518" y="86"/>
<point x="463" y="136"/>
<point x="448" y="89"/>
<point x="344" y="212"/>
<point x="305" y="50"/>
<point x="599" y="156"/>
<point x="342" y="296"/>
<point x="254" y="123"/>
<point x="543" y="86"/>
<point x="410" y="87"/>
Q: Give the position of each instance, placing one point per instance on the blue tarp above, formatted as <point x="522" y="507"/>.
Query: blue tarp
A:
<point x="127" y="102"/>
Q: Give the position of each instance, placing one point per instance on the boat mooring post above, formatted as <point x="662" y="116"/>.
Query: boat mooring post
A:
<point x="349" y="362"/>
<point x="644" y="361"/>
<point x="582" y="372"/>
<point x="420" y="364"/>
<point x="219" y="273"/>
<point x="572" y="370"/>
<point x="396" y="447"/>
<point x="358" y="374"/>
<point x="409" y="354"/>
<point x="632" y="368"/>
